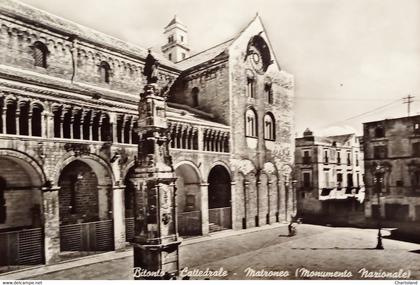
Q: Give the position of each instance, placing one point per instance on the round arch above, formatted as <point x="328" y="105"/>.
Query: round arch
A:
<point x="188" y="198"/>
<point x="219" y="180"/>
<point x="29" y="164"/>
<point x="102" y="169"/>
<point x="189" y="170"/>
<point x="225" y="165"/>
<point x="20" y="190"/>
<point x="219" y="198"/>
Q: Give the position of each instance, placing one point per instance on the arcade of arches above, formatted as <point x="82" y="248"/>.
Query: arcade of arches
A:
<point x="85" y="202"/>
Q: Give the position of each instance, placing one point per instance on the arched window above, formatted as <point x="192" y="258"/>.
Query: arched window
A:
<point x="105" y="129"/>
<point x="250" y="123"/>
<point x="23" y="118"/>
<point x="268" y="89"/>
<point x="67" y="124"/>
<point x="77" y="121"/>
<point x="269" y="127"/>
<point x="36" y="123"/>
<point x="104" y="71"/>
<point x="250" y="89"/>
<point x="11" y="117"/>
<point x="194" y="96"/>
<point x="40" y="52"/>
<point x="57" y="122"/>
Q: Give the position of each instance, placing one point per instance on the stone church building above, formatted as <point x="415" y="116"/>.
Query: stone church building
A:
<point x="68" y="142"/>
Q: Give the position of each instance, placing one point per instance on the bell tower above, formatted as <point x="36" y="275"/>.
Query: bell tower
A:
<point x="176" y="47"/>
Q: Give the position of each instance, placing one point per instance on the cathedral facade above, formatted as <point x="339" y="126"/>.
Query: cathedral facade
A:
<point x="68" y="141"/>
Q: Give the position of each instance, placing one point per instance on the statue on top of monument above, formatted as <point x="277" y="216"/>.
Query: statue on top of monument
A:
<point x="151" y="69"/>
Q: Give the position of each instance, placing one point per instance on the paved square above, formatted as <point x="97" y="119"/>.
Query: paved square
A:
<point x="315" y="248"/>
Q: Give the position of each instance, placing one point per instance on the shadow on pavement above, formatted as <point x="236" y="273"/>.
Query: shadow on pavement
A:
<point x="333" y="248"/>
<point x="398" y="235"/>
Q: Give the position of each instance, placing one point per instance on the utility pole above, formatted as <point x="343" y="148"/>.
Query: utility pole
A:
<point x="408" y="100"/>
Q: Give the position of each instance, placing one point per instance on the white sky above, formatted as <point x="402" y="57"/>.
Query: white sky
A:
<point x="348" y="56"/>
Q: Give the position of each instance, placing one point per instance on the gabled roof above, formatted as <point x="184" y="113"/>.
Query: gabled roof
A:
<point x="213" y="52"/>
<point x="210" y="53"/>
<point x="27" y="13"/>
<point x="203" y="56"/>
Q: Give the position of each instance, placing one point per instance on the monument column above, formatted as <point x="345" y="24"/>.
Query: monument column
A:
<point x="156" y="240"/>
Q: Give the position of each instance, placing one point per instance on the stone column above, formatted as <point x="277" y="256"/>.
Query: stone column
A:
<point x="130" y="134"/>
<point x="17" y="119"/>
<point x="234" y="206"/>
<point x="3" y="118"/>
<point x="282" y="201"/>
<point x="100" y="128"/>
<point x="200" y="139"/>
<point x="118" y="210"/>
<point x="61" y="130"/>
<point x="82" y="122"/>
<point x="47" y="125"/>
<point x="72" y="124"/>
<point x="103" y="210"/>
<point x="30" y="123"/>
<point x="260" y="220"/>
<point x="50" y="213"/>
<point x="92" y="117"/>
<point x="123" y="122"/>
<point x="246" y="204"/>
<point x="204" y="194"/>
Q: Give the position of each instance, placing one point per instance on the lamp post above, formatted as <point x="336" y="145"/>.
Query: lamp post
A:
<point x="378" y="181"/>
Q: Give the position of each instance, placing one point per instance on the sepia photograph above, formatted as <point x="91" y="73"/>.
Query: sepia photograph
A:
<point x="209" y="140"/>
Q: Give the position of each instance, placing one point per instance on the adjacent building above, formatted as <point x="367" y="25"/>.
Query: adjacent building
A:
<point x="329" y="173"/>
<point x="392" y="163"/>
<point x="68" y="140"/>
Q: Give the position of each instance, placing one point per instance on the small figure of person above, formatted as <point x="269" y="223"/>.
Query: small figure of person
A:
<point x="292" y="228"/>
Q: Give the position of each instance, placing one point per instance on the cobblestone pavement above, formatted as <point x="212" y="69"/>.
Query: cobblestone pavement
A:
<point x="315" y="248"/>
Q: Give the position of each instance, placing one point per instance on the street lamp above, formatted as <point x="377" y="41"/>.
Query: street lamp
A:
<point x="378" y="181"/>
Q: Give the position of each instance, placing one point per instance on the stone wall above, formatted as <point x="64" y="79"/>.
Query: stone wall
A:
<point x="399" y="165"/>
<point x="253" y="154"/>
<point x="210" y="82"/>
<point x="73" y="58"/>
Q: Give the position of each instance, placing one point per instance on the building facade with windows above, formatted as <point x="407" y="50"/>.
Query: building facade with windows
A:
<point x="392" y="162"/>
<point x="329" y="172"/>
<point x="68" y="140"/>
